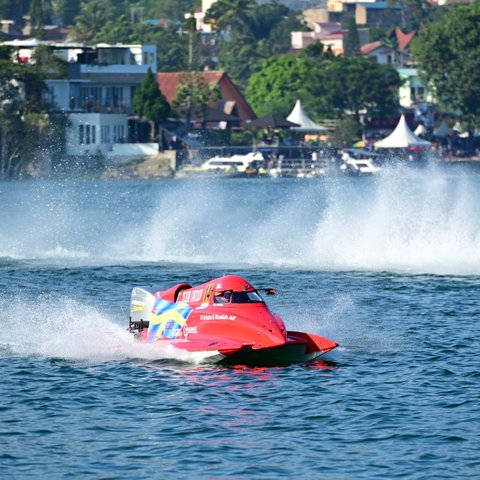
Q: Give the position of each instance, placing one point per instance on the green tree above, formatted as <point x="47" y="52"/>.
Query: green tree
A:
<point x="173" y="10"/>
<point x="120" y="30"/>
<point x="172" y="48"/>
<point x="279" y="39"/>
<point x="150" y="103"/>
<point x="231" y="14"/>
<point x="329" y="86"/>
<point x="36" y="19"/>
<point x="345" y="133"/>
<point x="66" y="10"/>
<point x="278" y="84"/>
<point x="193" y="96"/>
<point x="14" y="9"/>
<point x="26" y="126"/>
<point x="357" y="86"/>
<point x="255" y="33"/>
<point x="352" y="41"/>
<point x="90" y="20"/>
<point x="241" y="56"/>
<point x="448" y="56"/>
<point x="415" y="13"/>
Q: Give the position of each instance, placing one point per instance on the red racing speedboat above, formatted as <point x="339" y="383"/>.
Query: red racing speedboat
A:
<point x="224" y="320"/>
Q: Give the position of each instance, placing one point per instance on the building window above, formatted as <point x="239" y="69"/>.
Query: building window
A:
<point x="87" y="134"/>
<point x="80" y="134"/>
<point x="94" y="134"/>
<point x="114" y="96"/>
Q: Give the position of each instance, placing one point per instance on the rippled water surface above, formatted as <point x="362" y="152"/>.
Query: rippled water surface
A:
<point x="388" y="267"/>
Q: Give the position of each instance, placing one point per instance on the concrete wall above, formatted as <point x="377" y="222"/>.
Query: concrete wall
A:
<point x="123" y="153"/>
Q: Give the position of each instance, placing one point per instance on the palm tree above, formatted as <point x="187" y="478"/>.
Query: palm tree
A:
<point x="234" y="14"/>
<point x="90" y="21"/>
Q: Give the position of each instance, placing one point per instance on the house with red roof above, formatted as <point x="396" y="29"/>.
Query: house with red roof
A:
<point x="404" y="41"/>
<point x="232" y="101"/>
<point x="382" y="53"/>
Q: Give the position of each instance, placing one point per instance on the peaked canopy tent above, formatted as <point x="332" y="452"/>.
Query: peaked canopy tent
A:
<point x="402" y="137"/>
<point x="305" y="124"/>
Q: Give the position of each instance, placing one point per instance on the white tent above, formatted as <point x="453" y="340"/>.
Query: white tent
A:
<point x="298" y="116"/>
<point x="402" y="137"/>
<point x="420" y="130"/>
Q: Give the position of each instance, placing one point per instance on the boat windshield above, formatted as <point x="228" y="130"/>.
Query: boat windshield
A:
<point x="229" y="296"/>
<point x="246" y="297"/>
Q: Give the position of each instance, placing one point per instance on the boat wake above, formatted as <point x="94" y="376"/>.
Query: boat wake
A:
<point x="412" y="221"/>
<point x="67" y="329"/>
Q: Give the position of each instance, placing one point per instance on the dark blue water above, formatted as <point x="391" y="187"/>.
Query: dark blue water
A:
<point x="387" y="267"/>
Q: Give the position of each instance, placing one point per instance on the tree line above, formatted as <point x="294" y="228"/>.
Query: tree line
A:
<point x="253" y="49"/>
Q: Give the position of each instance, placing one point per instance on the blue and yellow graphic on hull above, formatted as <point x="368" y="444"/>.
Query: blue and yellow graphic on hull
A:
<point x="167" y="319"/>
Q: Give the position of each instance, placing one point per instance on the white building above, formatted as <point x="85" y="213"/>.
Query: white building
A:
<point x="97" y="94"/>
<point x="413" y="90"/>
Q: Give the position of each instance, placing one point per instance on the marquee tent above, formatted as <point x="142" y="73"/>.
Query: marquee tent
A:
<point x="402" y="137"/>
<point x="298" y="116"/>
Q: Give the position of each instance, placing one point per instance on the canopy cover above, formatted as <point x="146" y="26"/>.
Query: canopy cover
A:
<point x="402" y="137"/>
<point x="298" y="116"/>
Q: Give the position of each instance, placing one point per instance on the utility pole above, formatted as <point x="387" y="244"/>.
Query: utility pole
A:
<point x="191" y="28"/>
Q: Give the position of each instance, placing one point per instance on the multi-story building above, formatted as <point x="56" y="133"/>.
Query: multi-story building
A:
<point x="97" y="93"/>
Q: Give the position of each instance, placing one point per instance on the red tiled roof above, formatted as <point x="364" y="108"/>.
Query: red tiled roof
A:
<point x="169" y="82"/>
<point x="404" y="39"/>
<point x="370" y="47"/>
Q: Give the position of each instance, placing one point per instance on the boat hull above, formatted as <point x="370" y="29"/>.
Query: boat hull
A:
<point x="224" y="320"/>
<point x="300" y="347"/>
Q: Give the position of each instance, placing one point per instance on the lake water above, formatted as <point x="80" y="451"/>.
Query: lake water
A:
<point x="389" y="267"/>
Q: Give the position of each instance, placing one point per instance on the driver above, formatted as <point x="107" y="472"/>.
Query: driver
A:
<point x="223" y="297"/>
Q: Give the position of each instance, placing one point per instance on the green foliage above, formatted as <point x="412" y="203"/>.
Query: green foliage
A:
<point x="149" y="102"/>
<point x="352" y="41"/>
<point x="172" y="50"/>
<point x="241" y="56"/>
<point x="345" y="133"/>
<point x="25" y="124"/>
<point x="36" y="19"/>
<point x="14" y="9"/>
<point x="256" y="32"/>
<point x="67" y="10"/>
<point x="330" y="87"/>
<point x="316" y="51"/>
<point x="278" y="84"/>
<point x="416" y="13"/>
<point x="194" y="95"/>
<point x="448" y="56"/>
<point x="168" y="9"/>
<point x="234" y="14"/>
<point x="357" y="84"/>
<point x="91" y="19"/>
<point x="47" y="63"/>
